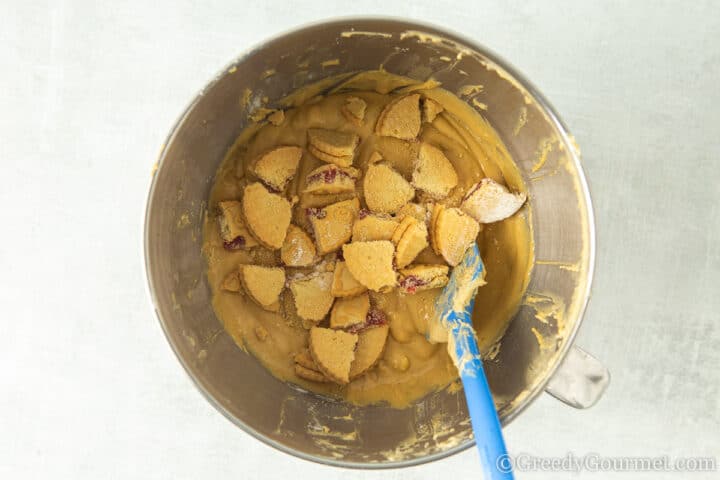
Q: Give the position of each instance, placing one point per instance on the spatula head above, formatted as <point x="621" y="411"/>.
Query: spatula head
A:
<point x="458" y="296"/>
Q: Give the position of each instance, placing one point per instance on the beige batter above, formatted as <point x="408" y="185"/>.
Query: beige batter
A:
<point x="410" y="366"/>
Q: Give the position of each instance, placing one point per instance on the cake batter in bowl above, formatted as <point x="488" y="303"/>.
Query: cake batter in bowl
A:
<point x="540" y="333"/>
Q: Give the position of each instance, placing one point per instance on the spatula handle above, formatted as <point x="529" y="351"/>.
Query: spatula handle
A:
<point x="483" y="416"/>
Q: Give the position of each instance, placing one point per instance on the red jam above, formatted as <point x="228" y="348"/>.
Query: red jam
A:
<point x="374" y="318"/>
<point x="328" y="176"/>
<point x="315" y="212"/>
<point x="236" y="244"/>
<point x="411" y="283"/>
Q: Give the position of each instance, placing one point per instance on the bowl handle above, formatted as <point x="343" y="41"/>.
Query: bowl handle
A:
<point x="580" y="381"/>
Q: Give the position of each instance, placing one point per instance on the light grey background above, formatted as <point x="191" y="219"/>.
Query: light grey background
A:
<point x="89" y="387"/>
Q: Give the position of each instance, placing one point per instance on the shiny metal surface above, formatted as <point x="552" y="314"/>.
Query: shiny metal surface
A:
<point x="299" y="422"/>
<point x="580" y="381"/>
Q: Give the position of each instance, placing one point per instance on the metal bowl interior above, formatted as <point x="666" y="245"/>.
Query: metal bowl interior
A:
<point x="314" y="427"/>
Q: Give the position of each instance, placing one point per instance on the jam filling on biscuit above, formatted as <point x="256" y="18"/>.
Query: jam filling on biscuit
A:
<point x="375" y="318"/>
<point x="235" y="244"/>
<point x="328" y="176"/>
<point x="411" y="283"/>
<point x="315" y="212"/>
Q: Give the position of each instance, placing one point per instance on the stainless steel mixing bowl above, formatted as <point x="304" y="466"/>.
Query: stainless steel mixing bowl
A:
<point x="541" y="333"/>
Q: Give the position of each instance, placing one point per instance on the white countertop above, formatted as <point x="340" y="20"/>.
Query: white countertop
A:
<point x="88" y="90"/>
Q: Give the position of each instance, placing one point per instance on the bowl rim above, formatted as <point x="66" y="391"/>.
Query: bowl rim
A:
<point x="407" y="24"/>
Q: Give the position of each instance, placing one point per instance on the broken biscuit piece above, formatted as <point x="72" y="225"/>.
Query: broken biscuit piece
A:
<point x="404" y="224"/>
<point x="308" y="374"/>
<point x="333" y="146"/>
<point x="370" y="346"/>
<point x="333" y="352"/>
<point x="400" y="118"/>
<point x="488" y="201"/>
<point x="267" y="215"/>
<point x="434" y="210"/>
<point x="331" y="179"/>
<point x="430" y="110"/>
<point x="278" y="166"/>
<point x="386" y="191"/>
<point x="263" y="285"/>
<point x="371" y="263"/>
<point x="332" y="225"/>
<point x="314" y="200"/>
<point x="344" y="284"/>
<point x="372" y="226"/>
<point x="433" y="173"/>
<point x="313" y="299"/>
<point x="455" y="232"/>
<point x="414" y="210"/>
<point x="333" y="142"/>
<point x="233" y="230"/>
<point x="348" y="312"/>
<point x="231" y="282"/>
<point x="375" y="317"/>
<point x="305" y="359"/>
<point x="276" y="118"/>
<point x="375" y="157"/>
<point x="344" y="161"/>
<point x="422" y="277"/>
<point x="410" y="238"/>
<point x="306" y="367"/>
<point x="298" y="250"/>
<point x="354" y="109"/>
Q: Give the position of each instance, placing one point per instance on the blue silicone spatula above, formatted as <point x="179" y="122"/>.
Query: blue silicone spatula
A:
<point x="453" y="324"/>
